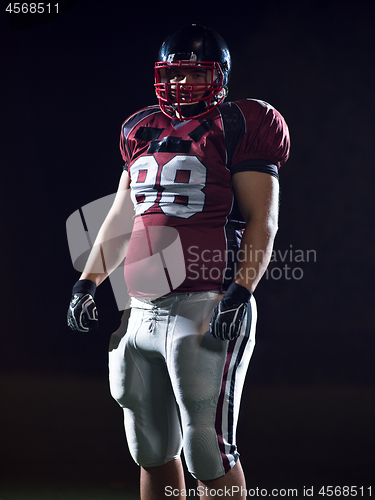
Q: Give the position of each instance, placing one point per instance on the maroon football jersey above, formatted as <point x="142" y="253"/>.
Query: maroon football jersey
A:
<point x="186" y="216"/>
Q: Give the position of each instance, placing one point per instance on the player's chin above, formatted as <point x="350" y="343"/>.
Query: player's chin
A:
<point x="187" y="99"/>
<point x="190" y="103"/>
<point x="187" y="104"/>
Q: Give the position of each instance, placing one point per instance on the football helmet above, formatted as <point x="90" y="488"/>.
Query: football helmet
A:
<point x="192" y="49"/>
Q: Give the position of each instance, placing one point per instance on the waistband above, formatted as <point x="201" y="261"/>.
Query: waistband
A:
<point x="169" y="300"/>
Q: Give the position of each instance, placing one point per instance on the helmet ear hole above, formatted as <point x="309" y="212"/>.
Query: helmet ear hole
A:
<point x="192" y="48"/>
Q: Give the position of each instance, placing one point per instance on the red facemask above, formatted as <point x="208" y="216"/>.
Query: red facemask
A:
<point x="188" y="100"/>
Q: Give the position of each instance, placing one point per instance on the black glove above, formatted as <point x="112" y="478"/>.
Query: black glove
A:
<point x="82" y="313"/>
<point x="228" y="315"/>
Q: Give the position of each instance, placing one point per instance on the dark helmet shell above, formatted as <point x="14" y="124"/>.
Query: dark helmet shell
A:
<point x="197" y="43"/>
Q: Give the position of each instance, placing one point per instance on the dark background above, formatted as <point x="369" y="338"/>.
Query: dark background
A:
<point x="67" y="85"/>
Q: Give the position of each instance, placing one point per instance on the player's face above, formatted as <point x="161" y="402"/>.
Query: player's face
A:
<point x="188" y="88"/>
<point x="187" y="77"/>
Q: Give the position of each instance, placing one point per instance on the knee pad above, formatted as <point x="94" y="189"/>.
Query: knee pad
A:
<point x="151" y="447"/>
<point x="207" y="454"/>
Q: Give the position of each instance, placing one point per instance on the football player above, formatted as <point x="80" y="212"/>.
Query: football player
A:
<point x="207" y="170"/>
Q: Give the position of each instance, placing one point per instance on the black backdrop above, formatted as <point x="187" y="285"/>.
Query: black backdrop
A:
<point x="67" y="85"/>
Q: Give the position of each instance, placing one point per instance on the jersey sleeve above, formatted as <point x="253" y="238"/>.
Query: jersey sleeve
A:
<point x="265" y="144"/>
<point x="128" y="138"/>
<point x="123" y="150"/>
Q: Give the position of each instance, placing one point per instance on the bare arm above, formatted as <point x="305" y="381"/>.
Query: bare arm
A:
<point x="113" y="237"/>
<point x="258" y="199"/>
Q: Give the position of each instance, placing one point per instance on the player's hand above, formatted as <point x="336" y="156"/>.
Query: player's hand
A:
<point x="229" y="314"/>
<point x="82" y="313"/>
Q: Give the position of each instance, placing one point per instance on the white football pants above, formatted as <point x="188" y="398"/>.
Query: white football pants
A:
<point x="179" y="386"/>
